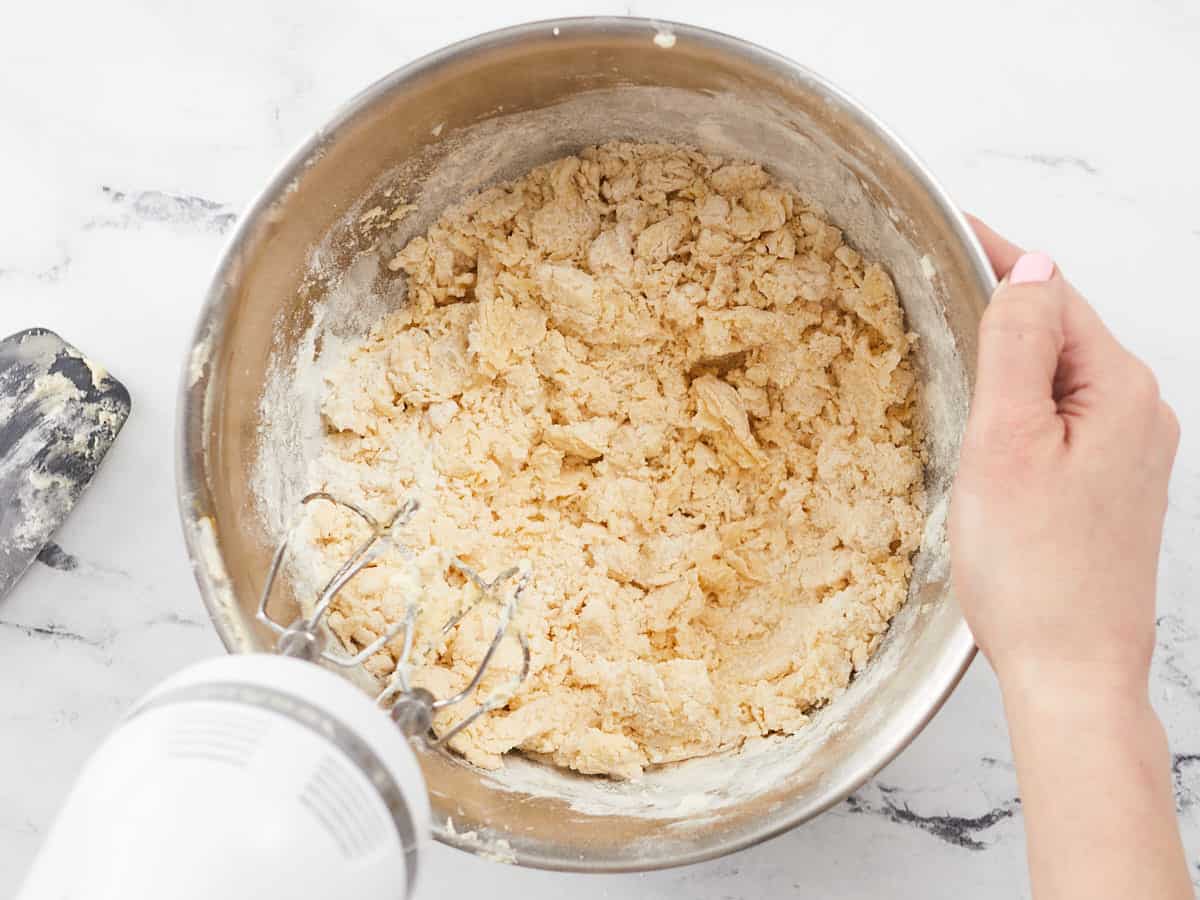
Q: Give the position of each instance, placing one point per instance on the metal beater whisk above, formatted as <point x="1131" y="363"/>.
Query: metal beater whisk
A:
<point x="412" y="708"/>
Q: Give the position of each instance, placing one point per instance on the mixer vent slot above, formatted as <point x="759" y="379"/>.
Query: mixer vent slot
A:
<point x="343" y="808"/>
<point x="224" y="736"/>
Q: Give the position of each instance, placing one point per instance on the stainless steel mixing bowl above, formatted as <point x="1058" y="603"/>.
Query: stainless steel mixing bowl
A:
<point x="488" y="109"/>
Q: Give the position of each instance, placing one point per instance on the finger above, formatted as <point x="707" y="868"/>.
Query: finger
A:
<point x="1043" y="350"/>
<point x="1001" y="253"/>
<point x="1021" y="337"/>
<point x="1092" y="354"/>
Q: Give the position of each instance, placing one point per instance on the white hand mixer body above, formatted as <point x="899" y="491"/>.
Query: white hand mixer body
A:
<point x="244" y="777"/>
<point x="264" y="775"/>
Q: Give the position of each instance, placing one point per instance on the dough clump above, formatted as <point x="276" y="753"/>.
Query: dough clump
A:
<point x="665" y="381"/>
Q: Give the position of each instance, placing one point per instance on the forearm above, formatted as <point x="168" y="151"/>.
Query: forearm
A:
<point x="1094" y="773"/>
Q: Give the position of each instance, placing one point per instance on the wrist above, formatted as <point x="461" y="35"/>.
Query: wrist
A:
<point x="1092" y="764"/>
<point x="1090" y="720"/>
<point x="1073" y="690"/>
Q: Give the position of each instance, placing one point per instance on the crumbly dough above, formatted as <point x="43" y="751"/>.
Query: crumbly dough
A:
<point x="663" y="380"/>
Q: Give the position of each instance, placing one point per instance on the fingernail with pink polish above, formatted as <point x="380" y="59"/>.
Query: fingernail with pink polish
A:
<point x="1032" y="268"/>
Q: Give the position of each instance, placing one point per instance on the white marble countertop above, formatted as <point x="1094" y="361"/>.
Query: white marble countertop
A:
<point x="134" y="133"/>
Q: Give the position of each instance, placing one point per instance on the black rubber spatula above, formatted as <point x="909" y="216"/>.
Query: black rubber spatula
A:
<point x="59" y="414"/>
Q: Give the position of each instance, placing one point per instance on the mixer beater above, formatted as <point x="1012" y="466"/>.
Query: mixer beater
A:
<point x="412" y="708"/>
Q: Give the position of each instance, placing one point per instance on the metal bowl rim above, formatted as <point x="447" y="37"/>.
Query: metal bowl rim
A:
<point x="208" y="568"/>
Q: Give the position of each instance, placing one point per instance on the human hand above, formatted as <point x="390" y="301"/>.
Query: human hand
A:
<point x="1057" y="511"/>
<point x="1055" y="526"/>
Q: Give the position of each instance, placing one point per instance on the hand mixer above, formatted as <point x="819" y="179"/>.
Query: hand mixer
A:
<point x="265" y="775"/>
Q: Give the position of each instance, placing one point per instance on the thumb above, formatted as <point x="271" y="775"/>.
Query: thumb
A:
<point x="1021" y="337"/>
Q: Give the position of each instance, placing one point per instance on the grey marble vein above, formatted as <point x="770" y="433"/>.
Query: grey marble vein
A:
<point x="159" y="206"/>
<point x="53" y="632"/>
<point x="1185" y="769"/>
<point x="50" y="274"/>
<point x="55" y="557"/>
<point x="1048" y="160"/>
<point x="1055" y="161"/>
<point x="992" y="762"/>
<point x="964" y="832"/>
<point x="1172" y="659"/>
<point x="173" y="618"/>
